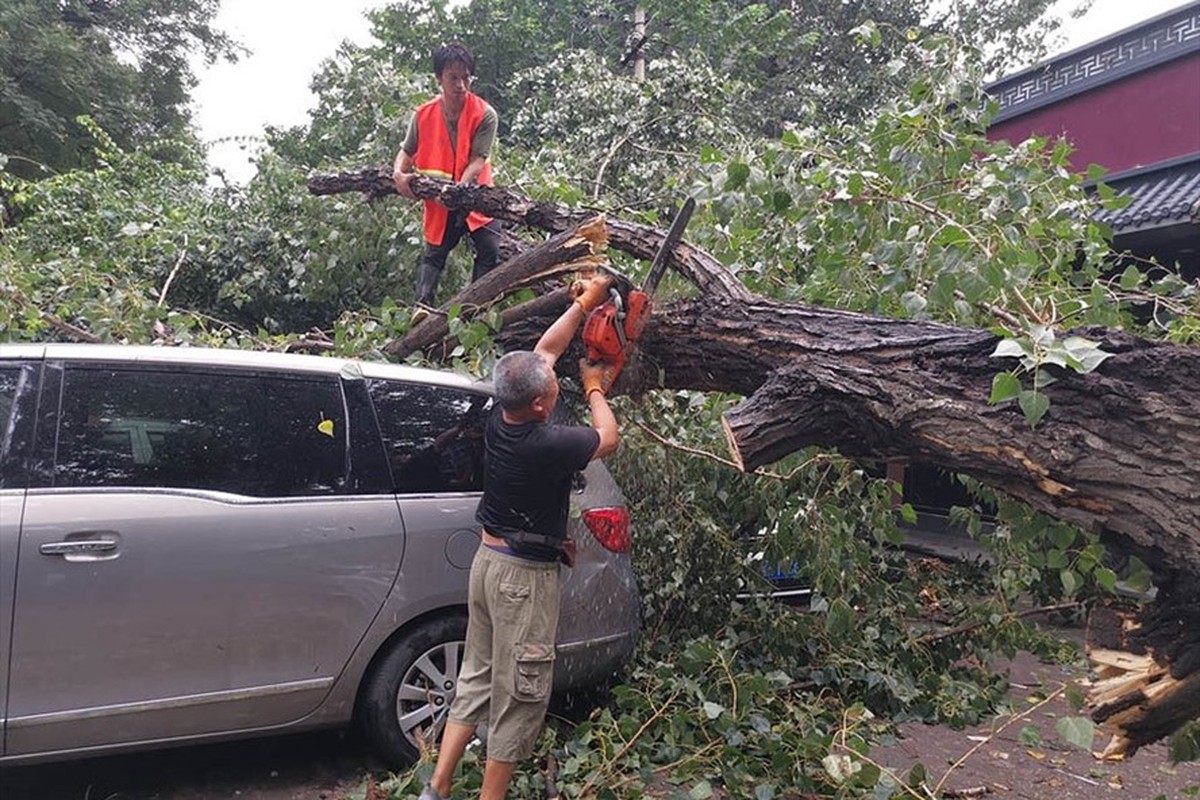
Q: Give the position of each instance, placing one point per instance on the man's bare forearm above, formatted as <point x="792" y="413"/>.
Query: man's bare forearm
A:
<point x="558" y="336"/>
<point x="605" y="423"/>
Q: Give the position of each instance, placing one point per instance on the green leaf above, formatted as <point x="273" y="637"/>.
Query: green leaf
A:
<point x="1184" y="744"/>
<point x="841" y="619"/>
<point x="1085" y="352"/>
<point x="1076" y="731"/>
<point x="913" y="303"/>
<point x="1131" y="277"/>
<point x="1042" y="378"/>
<point x="1070" y="582"/>
<point x="951" y="235"/>
<point x="1034" y="406"/>
<point x="1061" y="536"/>
<point x="854" y="184"/>
<point x="1005" y="386"/>
<point x="738" y="173"/>
<point x="713" y="710"/>
<point x="1139" y="577"/>
<point x="1030" y="736"/>
<point x="1011" y="348"/>
<point x="701" y="791"/>
<point x="1041" y="335"/>
<point x="1056" y="559"/>
<point x="1106" y="578"/>
<point x="908" y="513"/>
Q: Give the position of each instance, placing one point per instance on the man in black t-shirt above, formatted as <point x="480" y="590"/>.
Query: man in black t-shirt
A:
<point x="508" y="661"/>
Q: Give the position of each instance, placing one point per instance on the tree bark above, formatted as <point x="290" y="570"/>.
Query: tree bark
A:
<point x="1117" y="454"/>
<point x="578" y="249"/>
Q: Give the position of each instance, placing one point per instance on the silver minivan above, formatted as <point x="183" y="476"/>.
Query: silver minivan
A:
<point x="208" y="544"/>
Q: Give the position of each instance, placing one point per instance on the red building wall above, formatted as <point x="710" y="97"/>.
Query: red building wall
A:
<point x="1142" y="119"/>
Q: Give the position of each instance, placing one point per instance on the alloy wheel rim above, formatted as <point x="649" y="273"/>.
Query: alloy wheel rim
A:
<point x="426" y="691"/>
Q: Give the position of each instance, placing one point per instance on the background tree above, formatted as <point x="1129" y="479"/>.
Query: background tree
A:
<point x="802" y="66"/>
<point x="122" y="62"/>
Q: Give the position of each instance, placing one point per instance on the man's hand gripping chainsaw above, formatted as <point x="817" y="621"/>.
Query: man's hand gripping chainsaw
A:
<point x="612" y="329"/>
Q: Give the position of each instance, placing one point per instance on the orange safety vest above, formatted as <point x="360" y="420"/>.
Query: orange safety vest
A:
<point x="438" y="157"/>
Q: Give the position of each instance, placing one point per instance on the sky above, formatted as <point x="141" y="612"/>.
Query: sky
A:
<point x="290" y="38"/>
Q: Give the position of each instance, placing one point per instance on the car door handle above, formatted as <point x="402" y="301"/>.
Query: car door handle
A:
<point x="79" y="546"/>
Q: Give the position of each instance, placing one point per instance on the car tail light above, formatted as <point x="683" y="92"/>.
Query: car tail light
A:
<point x="610" y="526"/>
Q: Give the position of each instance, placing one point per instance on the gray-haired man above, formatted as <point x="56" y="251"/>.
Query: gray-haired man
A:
<point x="508" y="660"/>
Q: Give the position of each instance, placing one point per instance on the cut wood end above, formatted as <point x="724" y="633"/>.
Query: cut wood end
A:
<point x="1126" y="662"/>
<point x="1115" y="750"/>
<point x="595" y="230"/>
<point x="735" y="453"/>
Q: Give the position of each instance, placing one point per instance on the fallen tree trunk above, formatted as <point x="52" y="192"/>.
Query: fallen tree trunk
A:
<point x="1117" y="454"/>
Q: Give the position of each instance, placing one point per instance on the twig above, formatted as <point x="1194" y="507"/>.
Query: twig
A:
<point x="73" y="331"/>
<point x="732" y="684"/>
<point x="1027" y="308"/>
<point x="946" y="219"/>
<point x="885" y="770"/>
<point x="1029" y="612"/>
<point x="1002" y="314"/>
<point x="1016" y="717"/>
<point x="714" y="457"/>
<point x="657" y="715"/>
<point x="1078" y="777"/>
<point x="598" y="183"/>
<point x="162" y="296"/>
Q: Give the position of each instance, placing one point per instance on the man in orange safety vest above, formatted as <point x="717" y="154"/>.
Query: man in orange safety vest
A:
<point x="450" y="137"/>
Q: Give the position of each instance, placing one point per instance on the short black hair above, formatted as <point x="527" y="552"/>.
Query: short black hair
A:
<point x="454" y="53"/>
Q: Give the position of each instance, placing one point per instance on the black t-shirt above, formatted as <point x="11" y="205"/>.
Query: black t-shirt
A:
<point x="527" y="471"/>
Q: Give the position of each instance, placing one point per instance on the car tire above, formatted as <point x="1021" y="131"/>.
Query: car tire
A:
<point x="409" y="691"/>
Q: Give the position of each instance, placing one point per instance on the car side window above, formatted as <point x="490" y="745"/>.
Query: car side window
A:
<point x="433" y="435"/>
<point x="16" y="380"/>
<point x="9" y="378"/>
<point x="251" y="434"/>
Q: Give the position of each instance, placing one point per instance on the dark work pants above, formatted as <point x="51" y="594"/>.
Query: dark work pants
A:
<point x="487" y="252"/>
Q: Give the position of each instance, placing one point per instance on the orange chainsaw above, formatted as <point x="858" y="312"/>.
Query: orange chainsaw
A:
<point x="611" y="330"/>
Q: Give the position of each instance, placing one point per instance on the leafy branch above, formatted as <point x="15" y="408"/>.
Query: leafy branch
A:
<point x="1039" y="349"/>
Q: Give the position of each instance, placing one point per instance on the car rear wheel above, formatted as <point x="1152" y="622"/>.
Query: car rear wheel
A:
<point x="407" y="697"/>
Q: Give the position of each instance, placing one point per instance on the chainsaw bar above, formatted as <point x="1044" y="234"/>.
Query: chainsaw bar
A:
<point x="659" y="265"/>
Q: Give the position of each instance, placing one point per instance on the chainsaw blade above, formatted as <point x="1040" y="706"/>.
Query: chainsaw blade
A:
<point x="659" y="265"/>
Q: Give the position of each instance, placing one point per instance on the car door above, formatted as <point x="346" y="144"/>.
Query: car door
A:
<point x="433" y="436"/>
<point x="18" y="396"/>
<point x="206" y="558"/>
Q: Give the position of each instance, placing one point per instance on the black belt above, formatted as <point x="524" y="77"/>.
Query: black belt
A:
<point x="518" y="538"/>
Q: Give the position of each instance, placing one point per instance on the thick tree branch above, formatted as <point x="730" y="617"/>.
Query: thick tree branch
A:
<point x="642" y="241"/>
